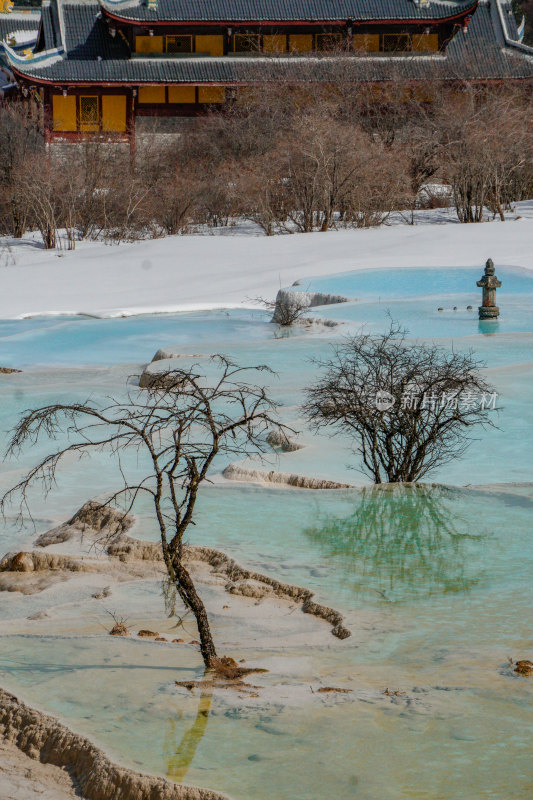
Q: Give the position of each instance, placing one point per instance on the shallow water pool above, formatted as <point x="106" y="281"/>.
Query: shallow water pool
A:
<point x="433" y="581"/>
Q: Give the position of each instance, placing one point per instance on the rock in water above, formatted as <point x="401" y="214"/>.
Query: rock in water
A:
<point x="93" y="519"/>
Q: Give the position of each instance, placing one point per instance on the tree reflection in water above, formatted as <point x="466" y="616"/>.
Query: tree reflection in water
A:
<point x="179" y="756"/>
<point x="404" y="540"/>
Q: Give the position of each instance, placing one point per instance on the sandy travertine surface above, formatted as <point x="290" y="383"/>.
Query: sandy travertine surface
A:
<point x="22" y="778"/>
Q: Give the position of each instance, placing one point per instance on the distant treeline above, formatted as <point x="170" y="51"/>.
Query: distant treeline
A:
<point x="287" y="158"/>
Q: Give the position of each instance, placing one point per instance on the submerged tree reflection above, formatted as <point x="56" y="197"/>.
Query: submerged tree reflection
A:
<point x="179" y="756"/>
<point x="403" y="540"/>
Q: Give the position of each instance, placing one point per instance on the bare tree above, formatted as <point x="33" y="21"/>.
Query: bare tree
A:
<point x="408" y="406"/>
<point x="486" y="149"/>
<point x="182" y="422"/>
<point x="21" y="140"/>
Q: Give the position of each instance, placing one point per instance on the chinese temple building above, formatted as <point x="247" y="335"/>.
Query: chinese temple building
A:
<point x="106" y="67"/>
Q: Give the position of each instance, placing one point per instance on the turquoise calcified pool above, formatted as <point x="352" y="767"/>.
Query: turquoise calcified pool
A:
<point x="433" y="588"/>
<point x="433" y="581"/>
<point x="392" y="284"/>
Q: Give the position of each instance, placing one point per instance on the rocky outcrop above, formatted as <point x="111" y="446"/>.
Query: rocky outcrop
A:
<point x="280" y="439"/>
<point x="128" y="549"/>
<point x="163" y="355"/>
<point x="287" y="300"/>
<point x="33" y="572"/>
<point x="8" y="370"/>
<point x="163" y="379"/>
<point x="234" y="472"/>
<point x="96" y="777"/>
<point x="99" y="521"/>
<point x="39" y="562"/>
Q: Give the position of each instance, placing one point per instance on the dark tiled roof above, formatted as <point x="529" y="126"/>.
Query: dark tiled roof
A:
<point x="51" y="36"/>
<point x="87" y="35"/>
<point x="282" y="10"/>
<point x="510" y="19"/>
<point x="481" y="54"/>
<point x="18" y="22"/>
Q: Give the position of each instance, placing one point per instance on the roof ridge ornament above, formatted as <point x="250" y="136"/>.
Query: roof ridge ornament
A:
<point x="521" y="30"/>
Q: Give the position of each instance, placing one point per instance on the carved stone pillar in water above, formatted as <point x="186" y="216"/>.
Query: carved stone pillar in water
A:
<point x="489" y="283"/>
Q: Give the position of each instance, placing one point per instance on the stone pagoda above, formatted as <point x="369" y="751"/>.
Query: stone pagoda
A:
<point x="489" y="283"/>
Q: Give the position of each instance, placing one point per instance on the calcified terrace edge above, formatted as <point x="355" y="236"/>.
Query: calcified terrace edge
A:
<point x="127" y="547"/>
<point x="43" y="738"/>
<point x="109" y="526"/>
<point x="93" y="774"/>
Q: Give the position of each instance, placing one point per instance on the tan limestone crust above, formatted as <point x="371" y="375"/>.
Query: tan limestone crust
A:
<point x="92" y="518"/>
<point x="45" y="739"/>
<point x="242" y="581"/>
<point x="136" y="557"/>
<point x="234" y="472"/>
<point x="32" y="572"/>
<point x="23" y="778"/>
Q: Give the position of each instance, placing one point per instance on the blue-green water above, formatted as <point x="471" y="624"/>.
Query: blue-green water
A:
<point x="394" y="284"/>
<point x="434" y="582"/>
<point x="86" y="340"/>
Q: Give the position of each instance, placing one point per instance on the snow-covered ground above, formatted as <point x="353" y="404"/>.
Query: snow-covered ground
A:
<point x="221" y="271"/>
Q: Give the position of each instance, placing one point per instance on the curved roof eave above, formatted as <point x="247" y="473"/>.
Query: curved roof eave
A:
<point x="16" y="61"/>
<point x="425" y="15"/>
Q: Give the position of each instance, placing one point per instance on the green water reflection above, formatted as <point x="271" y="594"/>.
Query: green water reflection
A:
<point x="179" y="755"/>
<point x="403" y="542"/>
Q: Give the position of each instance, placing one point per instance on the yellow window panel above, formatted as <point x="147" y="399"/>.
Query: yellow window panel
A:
<point x="246" y="43"/>
<point x="367" y="42"/>
<point x="396" y="42"/>
<point x="214" y="45"/>
<point x="300" y="42"/>
<point x="328" y="41"/>
<point x="89" y="114"/>
<point x="178" y="44"/>
<point x="64" y="112"/>
<point x="275" y="43"/>
<point x="182" y="94"/>
<point x="148" y="44"/>
<point x="114" y="112"/>
<point x="211" y="94"/>
<point x="152" y="94"/>
<point x="426" y="42"/>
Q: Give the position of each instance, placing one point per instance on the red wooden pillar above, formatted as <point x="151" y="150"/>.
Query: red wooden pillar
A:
<point x="48" y="121"/>
<point x="131" y="107"/>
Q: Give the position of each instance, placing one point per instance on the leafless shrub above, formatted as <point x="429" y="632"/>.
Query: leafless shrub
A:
<point x="403" y="404"/>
